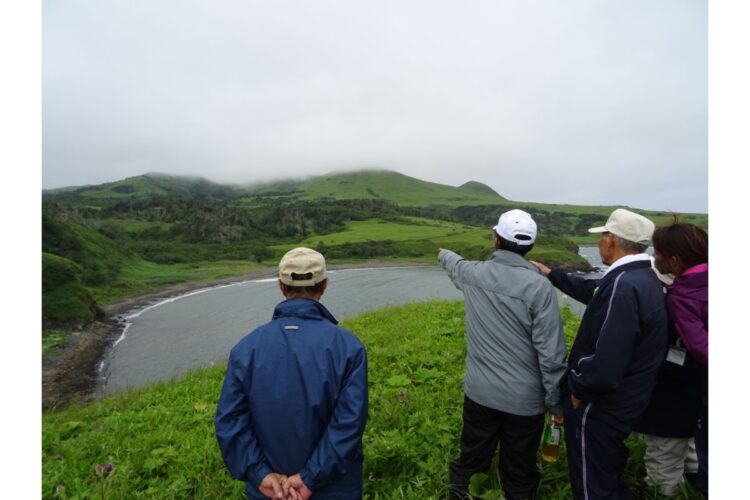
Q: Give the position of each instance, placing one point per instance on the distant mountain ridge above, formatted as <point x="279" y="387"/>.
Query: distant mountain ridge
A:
<point x="380" y="184"/>
<point x="148" y="185"/>
<point x="383" y="185"/>
<point x="366" y="184"/>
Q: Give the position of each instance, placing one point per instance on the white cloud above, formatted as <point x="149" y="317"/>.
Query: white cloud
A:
<point x="543" y="101"/>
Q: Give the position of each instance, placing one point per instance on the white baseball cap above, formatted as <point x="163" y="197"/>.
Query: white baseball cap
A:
<point x="516" y="226"/>
<point x="302" y="267"/>
<point x="628" y="226"/>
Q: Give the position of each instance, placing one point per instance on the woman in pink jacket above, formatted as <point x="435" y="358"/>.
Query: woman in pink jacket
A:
<point x="682" y="250"/>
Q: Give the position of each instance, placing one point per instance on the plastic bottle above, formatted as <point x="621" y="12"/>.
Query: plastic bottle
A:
<point x="551" y="441"/>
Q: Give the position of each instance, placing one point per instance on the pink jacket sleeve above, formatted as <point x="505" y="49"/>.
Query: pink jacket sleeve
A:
<point x="691" y="322"/>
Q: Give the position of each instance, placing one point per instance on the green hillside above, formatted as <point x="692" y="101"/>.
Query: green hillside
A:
<point x="369" y="184"/>
<point x="65" y="301"/>
<point x="144" y="232"/>
<point x="472" y="202"/>
<point x="147" y="186"/>
<point x="98" y="256"/>
<point x="478" y="187"/>
<point x="380" y="185"/>
<point x="383" y="185"/>
<point x="417" y="240"/>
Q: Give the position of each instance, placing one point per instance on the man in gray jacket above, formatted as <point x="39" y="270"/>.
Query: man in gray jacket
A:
<point x="515" y="358"/>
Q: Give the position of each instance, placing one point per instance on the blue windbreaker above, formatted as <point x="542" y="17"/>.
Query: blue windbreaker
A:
<point x="295" y="400"/>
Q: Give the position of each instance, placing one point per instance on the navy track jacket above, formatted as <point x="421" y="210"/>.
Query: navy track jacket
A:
<point x="622" y="340"/>
<point x="295" y="400"/>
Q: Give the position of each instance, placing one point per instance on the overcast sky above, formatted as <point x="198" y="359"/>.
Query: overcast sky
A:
<point x="581" y="102"/>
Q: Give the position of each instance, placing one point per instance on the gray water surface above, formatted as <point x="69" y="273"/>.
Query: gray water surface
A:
<point x="167" y="339"/>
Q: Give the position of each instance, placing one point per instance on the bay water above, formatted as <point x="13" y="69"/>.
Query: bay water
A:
<point x="165" y="340"/>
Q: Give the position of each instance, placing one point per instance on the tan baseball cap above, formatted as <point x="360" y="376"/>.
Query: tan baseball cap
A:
<point x="628" y="226"/>
<point x="302" y="267"/>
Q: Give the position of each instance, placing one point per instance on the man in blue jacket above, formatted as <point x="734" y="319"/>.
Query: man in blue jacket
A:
<point x="612" y="367"/>
<point x="294" y="402"/>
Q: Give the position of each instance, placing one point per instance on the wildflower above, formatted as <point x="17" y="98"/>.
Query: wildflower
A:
<point x="403" y="394"/>
<point x="104" y="469"/>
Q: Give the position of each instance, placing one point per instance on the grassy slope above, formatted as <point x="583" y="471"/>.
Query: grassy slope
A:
<point x="112" y="274"/>
<point x="160" y="439"/>
<point x="99" y="256"/>
<point x="142" y="185"/>
<point x="392" y="186"/>
<point x="424" y="237"/>
<point x="150" y="185"/>
<point x="367" y="184"/>
<point x="64" y="298"/>
<point x="414" y="229"/>
<point x="417" y="234"/>
<point x="139" y="276"/>
<point x="417" y="241"/>
<point x="408" y="191"/>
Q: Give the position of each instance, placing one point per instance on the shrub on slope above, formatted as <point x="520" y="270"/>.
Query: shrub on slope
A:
<point x="65" y="301"/>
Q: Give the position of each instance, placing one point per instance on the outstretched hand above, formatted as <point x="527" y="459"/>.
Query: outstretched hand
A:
<point x="544" y="269"/>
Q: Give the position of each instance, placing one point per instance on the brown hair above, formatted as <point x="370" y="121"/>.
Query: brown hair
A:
<point x="687" y="242"/>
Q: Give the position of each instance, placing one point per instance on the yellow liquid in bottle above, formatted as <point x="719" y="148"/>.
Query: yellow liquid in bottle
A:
<point x="551" y="444"/>
<point x="550" y="453"/>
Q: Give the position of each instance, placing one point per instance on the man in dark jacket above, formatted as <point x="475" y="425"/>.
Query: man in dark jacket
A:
<point x="294" y="402"/>
<point x="615" y="358"/>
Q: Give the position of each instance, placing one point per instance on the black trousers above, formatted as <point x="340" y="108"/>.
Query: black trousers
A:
<point x="597" y="454"/>
<point x="701" y="448"/>
<point x="519" y="438"/>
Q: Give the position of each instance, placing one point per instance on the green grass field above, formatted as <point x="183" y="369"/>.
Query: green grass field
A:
<point x="420" y="239"/>
<point x="140" y="276"/>
<point x="412" y="228"/>
<point x="160" y="439"/>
